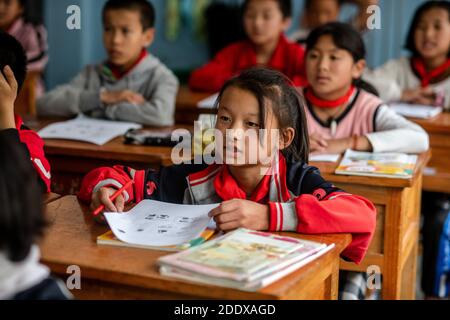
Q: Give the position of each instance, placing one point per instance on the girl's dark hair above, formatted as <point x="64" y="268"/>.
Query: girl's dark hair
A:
<point x="21" y="216"/>
<point x="308" y="3"/>
<point x="346" y="38"/>
<point x="285" y="7"/>
<point x="287" y="105"/>
<point x="410" y="42"/>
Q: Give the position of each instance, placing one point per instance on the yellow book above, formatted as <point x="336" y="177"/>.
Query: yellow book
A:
<point x="110" y="239"/>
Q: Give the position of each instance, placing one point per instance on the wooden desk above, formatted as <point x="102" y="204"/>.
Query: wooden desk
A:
<point x="394" y="247"/>
<point x="125" y="273"/>
<point x="50" y="197"/>
<point x="71" y="160"/>
<point x="187" y="110"/>
<point x="437" y="176"/>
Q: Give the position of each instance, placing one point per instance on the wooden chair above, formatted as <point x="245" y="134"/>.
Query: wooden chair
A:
<point x="26" y="99"/>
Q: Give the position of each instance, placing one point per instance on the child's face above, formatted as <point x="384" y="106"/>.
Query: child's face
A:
<point x="124" y="37"/>
<point x="322" y="12"/>
<point x="432" y="35"/>
<point x="264" y="21"/>
<point x="238" y="120"/>
<point x="10" y="10"/>
<point x="331" y="69"/>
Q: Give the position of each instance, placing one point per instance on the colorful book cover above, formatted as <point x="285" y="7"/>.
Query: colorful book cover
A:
<point x="241" y="254"/>
<point x="389" y="165"/>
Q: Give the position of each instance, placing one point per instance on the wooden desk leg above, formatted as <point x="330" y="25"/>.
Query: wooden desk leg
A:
<point x="401" y="243"/>
<point x="334" y="281"/>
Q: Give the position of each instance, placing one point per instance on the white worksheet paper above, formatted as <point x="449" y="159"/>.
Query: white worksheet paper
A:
<point x="87" y="129"/>
<point x="416" y="110"/>
<point x="209" y="102"/>
<point x="154" y="223"/>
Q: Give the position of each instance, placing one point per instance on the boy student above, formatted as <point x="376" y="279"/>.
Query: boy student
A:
<point x="13" y="62"/>
<point x="265" y="22"/>
<point x="131" y="85"/>
<point x="320" y="12"/>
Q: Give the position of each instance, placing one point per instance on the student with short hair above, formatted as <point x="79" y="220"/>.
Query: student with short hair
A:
<point x="13" y="64"/>
<point x="265" y="22"/>
<point x="132" y="85"/>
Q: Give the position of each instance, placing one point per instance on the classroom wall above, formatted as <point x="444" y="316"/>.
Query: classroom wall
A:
<point x="70" y="50"/>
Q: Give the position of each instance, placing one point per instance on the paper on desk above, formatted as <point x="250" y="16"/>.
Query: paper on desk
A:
<point x="208" y="103"/>
<point x="87" y="129"/>
<point x="324" y="157"/>
<point x="154" y="223"/>
<point x="416" y="110"/>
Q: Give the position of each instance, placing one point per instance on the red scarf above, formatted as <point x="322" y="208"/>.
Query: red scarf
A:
<point x="427" y="76"/>
<point x="318" y="102"/>
<point x="227" y="188"/>
<point x="120" y="74"/>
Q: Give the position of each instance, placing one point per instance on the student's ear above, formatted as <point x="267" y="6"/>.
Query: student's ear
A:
<point x="358" y="69"/>
<point x="149" y="36"/>
<point x="286" y="138"/>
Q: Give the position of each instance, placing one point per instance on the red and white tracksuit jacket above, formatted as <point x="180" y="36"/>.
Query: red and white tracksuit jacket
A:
<point x="35" y="147"/>
<point x="299" y="198"/>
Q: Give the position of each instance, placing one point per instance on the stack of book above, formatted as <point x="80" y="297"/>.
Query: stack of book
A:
<point x="243" y="259"/>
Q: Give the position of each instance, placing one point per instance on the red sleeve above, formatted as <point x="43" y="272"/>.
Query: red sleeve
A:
<point x="298" y="74"/>
<point x="212" y="76"/>
<point x="338" y="212"/>
<point x="35" y="146"/>
<point x="115" y="177"/>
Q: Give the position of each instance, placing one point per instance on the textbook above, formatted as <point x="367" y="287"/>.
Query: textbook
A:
<point x="159" y="224"/>
<point x="88" y="130"/>
<point x="243" y="259"/>
<point x="416" y="110"/>
<point x="388" y="165"/>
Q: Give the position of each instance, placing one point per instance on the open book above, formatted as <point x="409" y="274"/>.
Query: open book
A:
<point x="243" y="259"/>
<point x="416" y="110"/>
<point x="388" y="165"/>
<point x="158" y="225"/>
<point x="87" y="129"/>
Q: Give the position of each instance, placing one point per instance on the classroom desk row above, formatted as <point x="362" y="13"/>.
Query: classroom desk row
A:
<point x="127" y="273"/>
<point x="395" y="244"/>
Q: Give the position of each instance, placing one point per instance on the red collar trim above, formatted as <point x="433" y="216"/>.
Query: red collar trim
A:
<point x="18" y="120"/>
<point x="119" y="74"/>
<point x="318" y="102"/>
<point x="427" y="76"/>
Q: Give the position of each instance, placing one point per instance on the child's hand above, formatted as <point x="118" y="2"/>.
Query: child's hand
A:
<point x="234" y="214"/>
<point x="317" y="143"/>
<point x="102" y="196"/>
<point x="424" y="96"/>
<point x="114" y="97"/>
<point x="8" y="95"/>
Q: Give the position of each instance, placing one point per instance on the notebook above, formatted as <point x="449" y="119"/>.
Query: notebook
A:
<point x="86" y="129"/>
<point x="416" y="110"/>
<point x="243" y="259"/>
<point x="388" y="165"/>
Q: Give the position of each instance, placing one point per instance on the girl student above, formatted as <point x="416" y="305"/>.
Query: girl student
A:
<point x="265" y="22"/>
<point x="283" y="193"/>
<point x="424" y="77"/>
<point x="32" y="36"/>
<point x="342" y="113"/>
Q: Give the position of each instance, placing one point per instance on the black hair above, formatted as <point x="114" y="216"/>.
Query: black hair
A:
<point x="410" y="42"/>
<point x="144" y="7"/>
<point x="308" y="3"/>
<point x="21" y="217"/>
<point x="287" y="105"/>
<point x="344" y="37"/>
<point x="12" y="54"/>
<point x="285" y="7"/>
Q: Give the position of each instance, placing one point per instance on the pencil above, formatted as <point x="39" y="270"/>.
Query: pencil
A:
<point x="113" y="197"/>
